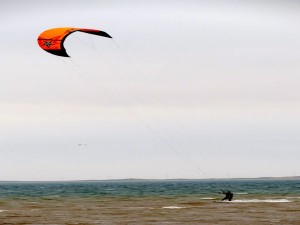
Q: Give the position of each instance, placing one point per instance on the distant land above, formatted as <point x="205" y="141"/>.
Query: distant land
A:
<point x="178" y="179"/>
<point x="288" y="177"/>
<point x="175" y="179"/>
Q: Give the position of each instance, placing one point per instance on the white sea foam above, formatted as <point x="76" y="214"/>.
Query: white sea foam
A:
<point x="34" y="209"/>
<point x="51" y="197"/>
<point x="3" y="210"/>
<point x="261" y="200"/>
<point x="241" y="193"/>
<point x="293" y="197"/>
<point x="173" y="207"/>
<point x="207" y="198"/>
<point x="110" y="189"/>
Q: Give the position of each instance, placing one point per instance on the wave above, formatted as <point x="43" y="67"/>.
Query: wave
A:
<point x="208" y="198"/>
<point x="262" y="200"/>
<point x="50" y="196"/>
<point x="173" y="207"/>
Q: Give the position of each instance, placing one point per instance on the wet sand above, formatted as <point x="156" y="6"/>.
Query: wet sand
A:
<point x="148" y="210"/>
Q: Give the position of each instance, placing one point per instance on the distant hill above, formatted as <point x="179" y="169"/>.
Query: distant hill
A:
<point x="284" y="178"/>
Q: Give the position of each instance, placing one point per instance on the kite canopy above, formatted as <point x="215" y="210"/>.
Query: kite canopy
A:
<point x="52" y="40"/>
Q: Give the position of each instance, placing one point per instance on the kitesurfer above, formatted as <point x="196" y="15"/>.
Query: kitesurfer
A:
<point x="228" y="195"/>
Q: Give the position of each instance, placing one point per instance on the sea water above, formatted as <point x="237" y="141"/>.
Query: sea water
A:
<point x="260" y="201"/>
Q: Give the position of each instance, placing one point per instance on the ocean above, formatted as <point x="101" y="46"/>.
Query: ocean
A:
<point x="255" y="201"/>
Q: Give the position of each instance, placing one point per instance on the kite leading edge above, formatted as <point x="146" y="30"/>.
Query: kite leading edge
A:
<point x="52" y="40"/>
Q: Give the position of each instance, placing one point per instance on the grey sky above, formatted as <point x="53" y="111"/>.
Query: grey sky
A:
<point x="184" y="85"/>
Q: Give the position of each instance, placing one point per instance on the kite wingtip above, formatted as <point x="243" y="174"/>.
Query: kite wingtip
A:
<point x="106" y="35"/>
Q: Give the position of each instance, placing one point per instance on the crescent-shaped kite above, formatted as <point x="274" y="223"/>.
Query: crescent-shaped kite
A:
<point x="52" y="40"/>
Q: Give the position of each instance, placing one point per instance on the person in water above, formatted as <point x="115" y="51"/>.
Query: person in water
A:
<point x="228" y="195"/>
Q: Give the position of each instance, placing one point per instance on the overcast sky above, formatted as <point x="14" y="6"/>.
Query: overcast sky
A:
<point x="186" y="89"/>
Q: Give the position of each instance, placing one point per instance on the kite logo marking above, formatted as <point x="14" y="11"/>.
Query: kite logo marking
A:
<point x="48" y="43"/>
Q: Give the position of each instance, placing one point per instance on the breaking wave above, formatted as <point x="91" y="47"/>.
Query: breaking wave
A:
<point x="262" y="200"/>
<point x="208" y="198"/>
<point x="173" y="207"/>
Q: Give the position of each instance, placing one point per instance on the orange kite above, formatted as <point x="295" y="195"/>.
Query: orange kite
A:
<point x="52" y="40"/>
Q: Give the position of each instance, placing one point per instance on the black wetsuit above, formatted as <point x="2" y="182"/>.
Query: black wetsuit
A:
<point x="228" y="195"/>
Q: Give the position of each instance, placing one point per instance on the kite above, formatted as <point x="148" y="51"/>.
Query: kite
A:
<point x="52" y="40"/>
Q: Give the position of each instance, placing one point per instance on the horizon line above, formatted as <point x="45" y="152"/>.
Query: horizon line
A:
<point x="153" y="179"/>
